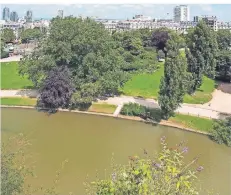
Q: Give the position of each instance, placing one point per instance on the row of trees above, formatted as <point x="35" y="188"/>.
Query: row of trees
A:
<point x="184" y="73"/>
<point x="81" y="57"/>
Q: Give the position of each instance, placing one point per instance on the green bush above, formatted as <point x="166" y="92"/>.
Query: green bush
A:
<point x="166" y="173"/>
<point x="222" y="131"/>
<point x="134" y="109"/>
<point x="4" y="54"/>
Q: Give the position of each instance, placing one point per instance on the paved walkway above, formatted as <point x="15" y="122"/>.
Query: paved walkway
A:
<point x="11" y="59"/>
<point x="192" y="109"/>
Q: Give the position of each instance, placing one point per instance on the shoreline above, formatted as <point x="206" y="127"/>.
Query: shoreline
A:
<point x="133" y="118"/>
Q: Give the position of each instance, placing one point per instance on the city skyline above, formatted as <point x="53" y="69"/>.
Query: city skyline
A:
<point x="122" y="11"/>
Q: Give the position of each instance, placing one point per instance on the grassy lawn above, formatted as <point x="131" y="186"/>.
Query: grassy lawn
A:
<point x="102" y="108"/>
<point x="147" y="86"/>
<point x="10" y="78"/>
<point x="144" y="85"/>
<point x="203" y="94"/>
<point x="18" y="101"/>
<point x="193" y="122"/>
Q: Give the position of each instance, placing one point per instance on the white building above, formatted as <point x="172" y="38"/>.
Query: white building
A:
<point x="181" y="13"/>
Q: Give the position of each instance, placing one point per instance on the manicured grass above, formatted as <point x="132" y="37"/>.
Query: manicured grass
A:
<point x="18" y="101"/>
<point x="203" y="94"/>
<point x="193" y="122"/>
<point x="102" y="108"/>
<point x="144" y="85"/>
<point x="10" y="78"/>
<point x="147" y="86"/>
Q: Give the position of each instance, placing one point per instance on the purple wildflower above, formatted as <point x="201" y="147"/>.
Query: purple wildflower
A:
<point x="185" y="150"/>
<point x="162" y="139"/>
<point x="113" y="176"/>
<point x="157" y="165"/>
<point x="200" y="168"/>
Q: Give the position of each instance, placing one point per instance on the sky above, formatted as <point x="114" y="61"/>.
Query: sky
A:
<point x="119" y="11"/>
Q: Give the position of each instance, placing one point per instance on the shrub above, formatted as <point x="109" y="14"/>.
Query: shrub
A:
<point x="4" y="54"/>
<point x="163" y="174"/>
<point x="134" y="109"/>
<point x="222" y="131"/>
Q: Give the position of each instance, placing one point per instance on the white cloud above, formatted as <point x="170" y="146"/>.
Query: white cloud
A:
<point x="206" y="8"/>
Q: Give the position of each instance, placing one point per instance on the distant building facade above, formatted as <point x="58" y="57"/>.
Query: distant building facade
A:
<point x="60" y="13"/>
<point x="181" y="13"/>
<point x="13" y="16"/>
<point x="211" y="21"/>
<point x="6" y="14"/>
<point x="29" y="16"/>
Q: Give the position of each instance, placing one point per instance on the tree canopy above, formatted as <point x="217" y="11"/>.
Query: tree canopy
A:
<point x="88" y="51"/>
<point x="7" y="35"/>
<point x="30" y="34"/>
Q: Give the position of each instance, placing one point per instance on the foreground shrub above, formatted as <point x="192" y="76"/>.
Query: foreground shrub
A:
<point x="222" y="131"/>
<point x="164" y="174"/>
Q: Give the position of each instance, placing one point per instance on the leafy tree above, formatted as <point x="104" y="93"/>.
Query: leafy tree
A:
<point x="224" y="39"/>
<point x="159" y="39"/>
<point x="7" y="35"/>
<point x="163" y="174"/>
<point x="222" y="131"/>
<point x="195" y="67"/>
<point x="88" y="50"/>
<point x="57" y="89"/>
<point x="203" y="50"/>
<point x="30" y="34"/>
<point x="224" y="65"/>
<point x="174" y="82"/>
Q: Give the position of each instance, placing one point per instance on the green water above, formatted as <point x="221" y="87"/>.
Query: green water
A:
<point x="88" y="142"/>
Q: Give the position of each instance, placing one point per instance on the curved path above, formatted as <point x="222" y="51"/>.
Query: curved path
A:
<point x="191" y="109"/>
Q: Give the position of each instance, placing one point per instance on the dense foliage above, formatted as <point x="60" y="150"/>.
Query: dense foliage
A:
<point x="202" y="53"/>
<point x="30" y="34"/>
<point x="223" y="69"/>
<point x="89" y="52"/>
<point x="163" y="174"/>
<point x="224" y="65"/>
<point x="174" y="82"/>
<point x="57" y="89"/>
<point x="7" y="35"/>
<point x="13" y="169"/>
<point x="134" y="109"/>
<point x="222" y="131"/>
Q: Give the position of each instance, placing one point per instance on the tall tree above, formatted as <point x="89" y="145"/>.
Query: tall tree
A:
<point x="174" y="82"/>
<point x="224" y="65"/>
<point x="89" y="52"/>
<point x="224" y="39"/>
<point x="30" y="34"/>
<point x="202" y="53"/>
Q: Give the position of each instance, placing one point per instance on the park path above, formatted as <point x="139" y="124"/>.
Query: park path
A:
<point x="190" y="109"/>
<point x="11" y="59"/>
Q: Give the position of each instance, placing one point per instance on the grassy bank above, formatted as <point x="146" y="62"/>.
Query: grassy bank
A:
<point x="11" y="79"/>
<point x="193" y="122"/>
<point x="203" y="94"/>
<point x="180" y="120"/>
<point x="102" y="108"/>
<point x="18" y="101"/>
<point x="147" y="86"/>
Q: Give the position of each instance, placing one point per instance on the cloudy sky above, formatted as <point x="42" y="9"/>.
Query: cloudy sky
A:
<point x="122" y="11"/>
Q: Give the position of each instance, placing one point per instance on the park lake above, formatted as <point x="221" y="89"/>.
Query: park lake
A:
<point x="89" y="142"/>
